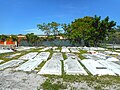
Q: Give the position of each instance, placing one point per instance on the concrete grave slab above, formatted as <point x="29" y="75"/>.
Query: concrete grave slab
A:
<point x="57" y="56"/>
<point x="96" y="68"/>
<point x="65" y="49"/>
<point x="52" y="67"/>
<point x="11" y="63"/>
<point x="72" y="56"/>
<point x="28" y="56"/>
<point x="111" y="65"/>
<point x="1" y="61"/>
<point x="73" y="67"/>
<point x="33" y="63"/>
<point x="74" y="50"/>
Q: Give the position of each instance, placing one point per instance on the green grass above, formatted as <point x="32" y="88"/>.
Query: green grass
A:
<point x="85" y="68"/>
<point x="41" y="65"/>
<point x="3" y="55"/>
<point x="80" y="54"/>
<point x="107" y="79"/>
<point x="97" y="82"/>
<point x="22" y="53"/>
<point x="43" y="62"/>
<point x="63" y="72"/>
<point x="49" y="85"/>
<point x="51" y="52"/>
<point x="59" y="48"/>
<point x="64" y="56"/>
<point x="36" y="50"/>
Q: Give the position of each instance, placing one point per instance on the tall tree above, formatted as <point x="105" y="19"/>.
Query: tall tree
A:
<point x="45" y="28"/>
<point x="90" y="30"/>
<point x="54" y="28"/>
<point x="79" y="30"/>
<point x="103" y="28"/>
<point x="66" y="29"/>
<point x="49" y="28"/>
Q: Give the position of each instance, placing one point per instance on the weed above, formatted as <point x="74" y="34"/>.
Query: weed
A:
<point x="41" y="65"/>
<point x="64" y="56"/>
<point x="48" y="85"/>
<point x="80" y="54"/>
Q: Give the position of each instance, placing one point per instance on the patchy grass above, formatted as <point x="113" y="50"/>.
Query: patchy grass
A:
<point x="59" y="48"/>
<point x="22" y="53"/>
<point x="53" y="76"/>
<point x="64" y="56"/>
<point x="63" y="72"/>
<point x="85" y="68"/>
<point x="36" y="50"/>
<point x="51" y="53"/>
<point x="41" y="65"/>
<point x="80" y="54"/>
<point x="3" y="56"/>
<point x="106" y="79"/>
<point x="98" y="82"/>
<point x="49" y="85"/>
<point x="91" y="80"/>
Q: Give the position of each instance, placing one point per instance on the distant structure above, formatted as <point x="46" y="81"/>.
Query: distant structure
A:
<point x="10" y="43"/>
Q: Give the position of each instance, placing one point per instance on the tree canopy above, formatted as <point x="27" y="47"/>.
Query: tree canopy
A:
<point x="14" y="37"/>
<point x="87" y="30"/>
<point x="4" y="37"/>
<point x="90" y="30"/>
<point x="31" y="38"/>
<point x="49" y="28"/>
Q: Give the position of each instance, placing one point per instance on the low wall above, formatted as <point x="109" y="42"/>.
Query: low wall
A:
<point x="55" y="42"/>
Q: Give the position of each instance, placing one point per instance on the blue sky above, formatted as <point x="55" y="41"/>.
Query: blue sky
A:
<point x="22" y="16"/>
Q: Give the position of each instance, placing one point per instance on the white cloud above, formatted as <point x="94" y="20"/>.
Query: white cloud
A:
<point x="35" y="31"/>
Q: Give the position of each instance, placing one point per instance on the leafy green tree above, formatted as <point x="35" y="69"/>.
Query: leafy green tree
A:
<point x="114" y="37"/>
<point x="49" y="28"/>
<point x="45" y="28"/>
<point x="118" y="28"/>
<point x="54" y="28"/>
<point x="78" y="30"/>
<point x="102" y="29"/>
<point x="90" y="30"/>
<point x="31" y="38"/>
<point x="14" y="37"/>
<point x="66" y="29"/>
<point x="4" y="37"/>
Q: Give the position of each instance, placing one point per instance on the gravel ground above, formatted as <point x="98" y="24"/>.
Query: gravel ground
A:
<point x="86" y="86"/>
<point x="18" y="80"/>
<point x="11" y="80"/>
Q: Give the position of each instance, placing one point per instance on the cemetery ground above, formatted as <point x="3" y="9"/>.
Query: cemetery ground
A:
<point x="49" y="68"/>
